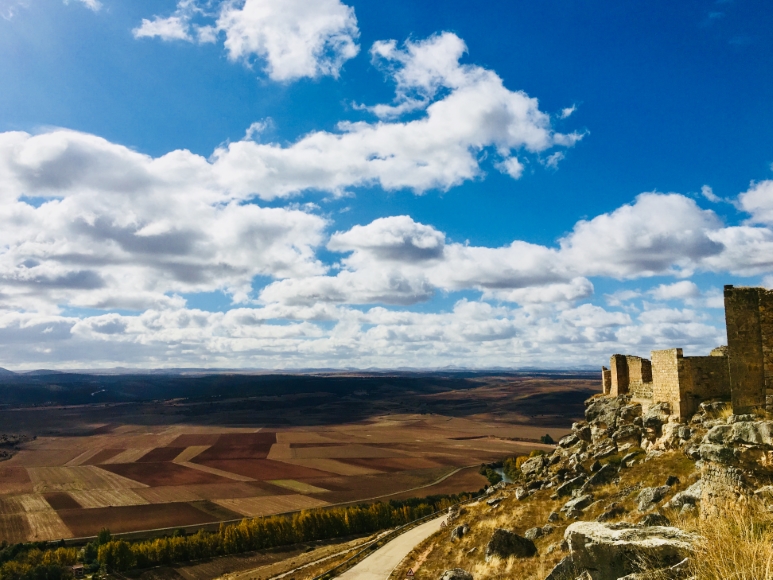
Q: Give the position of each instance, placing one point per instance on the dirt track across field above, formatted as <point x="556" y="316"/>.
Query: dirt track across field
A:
<point x="379" y="565"/>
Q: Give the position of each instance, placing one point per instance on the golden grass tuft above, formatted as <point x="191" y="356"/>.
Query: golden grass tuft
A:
<point x="736" y="543"/>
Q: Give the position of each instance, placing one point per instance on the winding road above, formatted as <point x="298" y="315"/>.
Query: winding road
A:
<point x="379" y="565"/>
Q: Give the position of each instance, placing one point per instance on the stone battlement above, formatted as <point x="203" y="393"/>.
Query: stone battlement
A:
<point x="742" y="371"/>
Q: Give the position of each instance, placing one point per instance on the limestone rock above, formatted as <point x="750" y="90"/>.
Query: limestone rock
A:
<point x="690" y="496"/>
<point x="582" y="431"/>
<point x="717" y="453"/>
<point x="459" y="532"/>
<point x="533" y="466"/>
<point x="627" y="434"/>
<point x="564" y="570"/>
<point x="566" y="488"/>
<point x="649" y="496"/>
<point x="611" y="551"/>
<point x="456" y="574"/>
<point x="568" y="441"/>
<point x="604" y="475"/>
<point x="504" y="544"/>
<point x="533" y="533"/>
<point x="656" y="416"/>
<point x="595" y="466"/>
<point x="521" y="494"/>
<point x="613" y="510"/>
<point x="578" y="503"/>
<point x="553" y="517"/>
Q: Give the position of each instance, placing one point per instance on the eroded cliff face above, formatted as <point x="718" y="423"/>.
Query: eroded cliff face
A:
<point x="605" y="503"/>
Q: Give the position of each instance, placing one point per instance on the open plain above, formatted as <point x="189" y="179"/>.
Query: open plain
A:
<point x="246" y="446"/>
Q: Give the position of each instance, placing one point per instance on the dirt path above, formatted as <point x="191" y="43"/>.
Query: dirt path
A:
<point x="379" y="565"/>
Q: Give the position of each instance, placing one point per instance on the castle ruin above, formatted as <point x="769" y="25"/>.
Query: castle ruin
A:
<point x="742" y="371"/>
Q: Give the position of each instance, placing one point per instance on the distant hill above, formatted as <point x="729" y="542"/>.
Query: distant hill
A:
<point x="6" y="372"/>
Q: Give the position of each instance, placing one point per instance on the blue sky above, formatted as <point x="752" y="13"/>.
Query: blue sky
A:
<point x="319" y="183"/>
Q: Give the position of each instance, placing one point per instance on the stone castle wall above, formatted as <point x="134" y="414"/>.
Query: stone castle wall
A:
<point x="742" y="371"/>
<point x="746" y="359"/>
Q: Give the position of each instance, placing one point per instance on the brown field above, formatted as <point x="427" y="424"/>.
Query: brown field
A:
<point x="83" y="478"/>
<point x="189" y="453"/>
<point x="61" y="501"/>
<point x="14" y="479"/>
<point x="140" y="466"/>
<point x="99" y="498"/>
<point x="272" y="504"/>
<point x="14" y="528"/>
<point x="88" y="522"/>
<point x="264" y="469"/>
<point x="46" y="525"/>
<point x="155" y="474"/>
<point x="297" y="486"/>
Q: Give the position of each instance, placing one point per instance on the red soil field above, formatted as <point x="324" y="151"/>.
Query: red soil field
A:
<point x="158" y="474"/>
<point x="14" y="479"/>
<point x="88" y="522"/>
<point x="14" y="529"/>
<point x="215" y="511"/>
<point x="103" y="455"/>
<point x="368" y="486"/>
<point x="262" y="469"/>
<point x="240" y="446"/>
<point x="61" y="501"/>
<point x="160" y="454"/>
<point x="305" y="445"/>
<point x="194" y="439"/>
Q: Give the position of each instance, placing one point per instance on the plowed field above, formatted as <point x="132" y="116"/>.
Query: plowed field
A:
<point x="267" y="505"/>
<point x="155" y="474"/>
<point x="14" y="528"/>
<point x="263" y="469"/>
<point x="88" y="522"/>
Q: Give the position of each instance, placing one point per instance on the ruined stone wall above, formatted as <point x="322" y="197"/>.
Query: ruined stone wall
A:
<point x="710" y="377"/>
<point x="639" y="371"/>
<point x="618" y="368"/>
<point x="641" y="392"/>
<point x="744" y="341"/>
<point x="606" y="380"/>
<point x="672" y="380"/>
<point x="766" y="334"/>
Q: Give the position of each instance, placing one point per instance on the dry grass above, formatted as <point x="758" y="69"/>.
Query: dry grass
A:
<point x="736" y="543"/>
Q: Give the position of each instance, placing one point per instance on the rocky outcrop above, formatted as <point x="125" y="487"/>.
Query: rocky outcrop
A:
<point x="612" y="551"/>
<point x="459" y="532"/>
<point x="650" y="496"/>
<point x="506" y="544"/>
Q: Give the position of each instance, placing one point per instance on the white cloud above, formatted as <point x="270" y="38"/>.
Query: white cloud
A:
<point x="758" y="201"/>
<point x="676" y="291"/>
<point x="94" y="5"/>
<point x="292" y="39"/>
<point x="295" y="38"/>
<point x="709" y="194"/>
<point x="567" y="112"/>
<point x="171" y="28"/>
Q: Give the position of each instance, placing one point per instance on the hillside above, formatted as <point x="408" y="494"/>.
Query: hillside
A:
<point x="626" y="495"/>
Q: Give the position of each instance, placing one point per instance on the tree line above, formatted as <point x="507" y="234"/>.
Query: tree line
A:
<point x="34" y="562"/>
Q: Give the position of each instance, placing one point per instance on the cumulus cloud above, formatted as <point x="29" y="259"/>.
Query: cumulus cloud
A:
<point x="117" y="229"/>
<point x="292" y="39"/>
<point x="758" y="201"/>
<point x="676" y="291"/>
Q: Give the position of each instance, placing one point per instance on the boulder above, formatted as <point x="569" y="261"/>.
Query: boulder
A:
<point x="690" y="496"/>
<point x="649" y="496"/>
<point x="459" y="532"/>
<point x="568" y="441"/>
<point x="533" y="533"/>
<point x="604" y="475"/>
<point x="752" y="432"/>
<point x="717" y="453"/>
<point x="602" y="412"/>
<point x="533" y="466"/>
<point x="553" y="517"/>
<point x="521" y="494"/>
<point x="578" y="503"/>
<point x="608" y="448"/>
<point x="456" y="574"/>
<point x="611" y="551"/>
<point x="581" y="431"/>
<point x="566" y="488"/>
<point x="613" y="510"/>
<point x="564" y="570"/>
<point x="656" y="416"/>
<point x="504" y="544"/>
<point x="627" y="434"/>
<point x="629" y="413"/>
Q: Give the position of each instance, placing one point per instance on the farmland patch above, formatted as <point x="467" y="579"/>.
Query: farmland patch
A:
<point x="160" y="454"/>
<point x="100" y="498"/>
<point x="265" y="469"/>
<point x="61" y="501"/>
<point x="195" y="440"/>
<point x="128" y="455"/>
<point x="46" y="525"/>
<point x="267" y="505"/>
<point x="344" y="451"/>
<point x="14" y="528"/>
<point x="88" y="522"/>
<point x="101" y="456"/>
<point x="333" y="466"/>
<point x="217" y="472"/>
<point x="189" y="453"/>
<point x="14" y="479"/>
<point x="392" y="464"/>
<point x="297" y="486"/>
<point x="157" y="474"/>
<point x="82" y="478"/>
